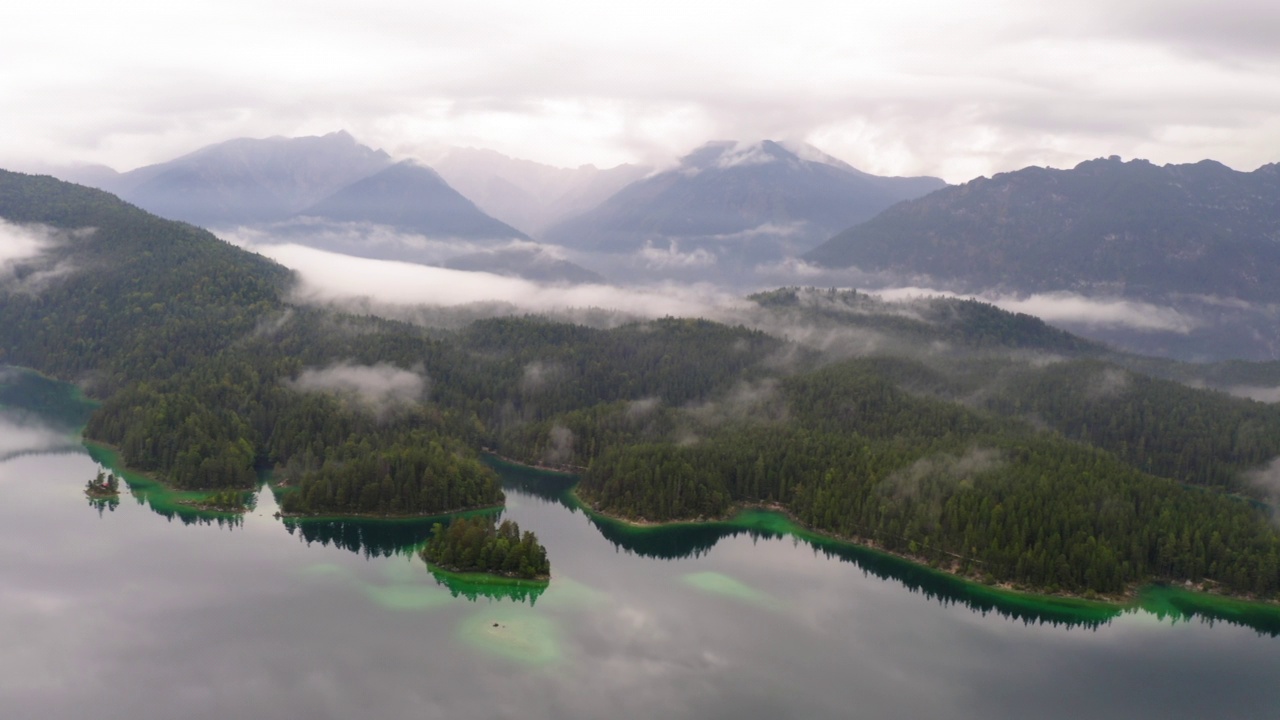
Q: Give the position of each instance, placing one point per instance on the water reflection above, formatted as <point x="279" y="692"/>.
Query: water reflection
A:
<point x="684" y="541"/>
<point x="476" y="588"/>
<point x="1175" y="604"/>
<point x="104" y="504"/>
<point x="368" y="538"/>
<point x="58" y="405"/>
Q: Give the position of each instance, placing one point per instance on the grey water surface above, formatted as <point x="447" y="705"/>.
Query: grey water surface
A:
<point x="133" y="613"/>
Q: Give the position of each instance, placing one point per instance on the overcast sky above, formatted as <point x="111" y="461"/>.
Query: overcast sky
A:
<point x="949" y="88"/>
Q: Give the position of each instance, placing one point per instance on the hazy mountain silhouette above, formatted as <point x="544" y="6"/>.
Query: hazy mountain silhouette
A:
<point x="529" y="195"/>
<point x="1125" y="228"/>
<point x="743" y="202"/>
<point x="247" y="181"/>
<point x="411" y="198"/>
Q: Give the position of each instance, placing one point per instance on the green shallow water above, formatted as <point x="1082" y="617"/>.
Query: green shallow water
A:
<point x="154" y="610"/>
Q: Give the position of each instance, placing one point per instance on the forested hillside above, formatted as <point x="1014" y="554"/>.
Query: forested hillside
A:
<point x="950" y="431"/>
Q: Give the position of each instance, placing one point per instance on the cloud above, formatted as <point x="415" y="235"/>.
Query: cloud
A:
<point x="539" y="376"/>
<point x="21" y="242"/>
<point x="331" y="278"/>
<point x="380" y="387"/>
<point x="1254" y="392"/>
<point x="1266" y="478"/>
<point x="642" y="408"/>
<point x="791" y="229"/>
<point x="20" y="435"/>
<point x="945" y="468"/>
<point x="25" y="266"/>
<point x="369" y="240"/>
<point x="1070" y="308"/>
<point x="671" y="257"/>
<point x="745" y="154"/>
<point x="922" y="86"/>
<point x="754" y="400"/>
<point x="559" y="448"/>
<point x="1109" y="383"/>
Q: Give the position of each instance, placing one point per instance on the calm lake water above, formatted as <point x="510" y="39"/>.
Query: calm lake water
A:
<point x="144" y="612"/>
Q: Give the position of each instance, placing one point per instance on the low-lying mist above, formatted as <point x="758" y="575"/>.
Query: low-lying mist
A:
<point x="1069" y="309"/>
<point x="422" y="291"/>
<point x="20" y="435"/>
<point x="26" y="261"/>
<point x="379" y="388"/>
<point x="329" y="278"/>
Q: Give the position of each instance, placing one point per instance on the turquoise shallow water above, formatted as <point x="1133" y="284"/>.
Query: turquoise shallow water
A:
<point x="143" y="612"/>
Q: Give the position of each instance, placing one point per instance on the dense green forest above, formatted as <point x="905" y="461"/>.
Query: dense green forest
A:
<point x="480" y="545"/>
<point x="978" y="440"/>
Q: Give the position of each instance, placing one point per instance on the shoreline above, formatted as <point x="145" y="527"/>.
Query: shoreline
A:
<point x="326" y="517"/>
<point x="1129" y="599"/>
<point x="484" y="578"/>
<point x="194" y="504"/>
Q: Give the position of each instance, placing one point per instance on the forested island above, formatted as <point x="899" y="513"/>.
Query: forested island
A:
<point x="979" y="441"/>
<point x="480" y="545"/>
<point x="103" y="485"/>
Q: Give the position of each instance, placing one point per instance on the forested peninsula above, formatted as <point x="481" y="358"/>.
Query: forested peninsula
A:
<point x="980" y="441"/>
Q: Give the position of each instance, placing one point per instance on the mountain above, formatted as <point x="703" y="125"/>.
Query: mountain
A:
<point x="88" y="174"/>
<point x="246" y="181"/>
<point x="1126" y="228"/>
<point x="430" y="223"/>
<point x="411" y="198"/>
<point x="108" y="292"/>
<point x="529" y="195"/>
<point x="1199" y="240"/>
<point x="746" y="202"/>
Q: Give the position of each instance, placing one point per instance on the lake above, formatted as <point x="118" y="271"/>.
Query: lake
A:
<point x="146" y="610"/>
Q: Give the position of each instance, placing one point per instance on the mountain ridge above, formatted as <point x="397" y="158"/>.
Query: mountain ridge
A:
<point x="1129" y="228"/>
<point x="754" y="201"/>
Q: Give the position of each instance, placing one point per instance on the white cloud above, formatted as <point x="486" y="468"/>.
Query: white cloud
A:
<point x="917" y="86"/>
<point x="21" y="242"/>
<point x="671" y="257"/>
<point x="744" y="154"/>
<point x="768" y="229"/>
<point x="19" y="436"/>
<point x="1254" y="392"/>
<point x="332" y="278"/>
<point x="25" y="246"/>
<point x="1069" y="308"/>
<point x="379" y="387"/>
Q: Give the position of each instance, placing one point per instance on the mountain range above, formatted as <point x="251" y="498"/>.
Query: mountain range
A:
<point x="246" y="181"/>
<point x="335" y="194"/>
<point x="738" y="202"/>
<point x="728" y="205"/>
<point x="1200" y="240"/>
<point x="1132" y="229"/>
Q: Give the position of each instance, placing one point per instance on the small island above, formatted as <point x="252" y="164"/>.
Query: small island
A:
<point x="103" y="486"/>
<point x="478" y="545"/>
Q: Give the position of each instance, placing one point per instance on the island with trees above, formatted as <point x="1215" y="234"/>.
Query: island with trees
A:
<point x="480" y="546"/>
<point x="103" y="486"/>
